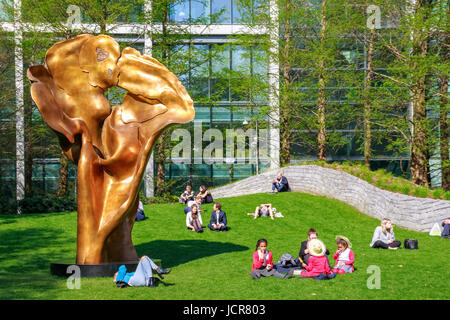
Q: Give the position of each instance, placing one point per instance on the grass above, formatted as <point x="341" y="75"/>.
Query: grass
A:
<point x="384" y="180"/>
<point x="216" y="265"/>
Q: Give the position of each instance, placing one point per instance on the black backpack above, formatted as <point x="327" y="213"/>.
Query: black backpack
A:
<point x="286" y="260"/>
<point x="411" y="244"/>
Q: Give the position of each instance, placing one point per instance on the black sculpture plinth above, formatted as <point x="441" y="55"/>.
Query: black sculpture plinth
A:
<point x="64" y="269"/>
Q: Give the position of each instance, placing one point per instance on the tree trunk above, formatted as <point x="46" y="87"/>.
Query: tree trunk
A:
<point x="63" y="184"/>
<point x="419" y="148"/>
<point x="367" y="102"/>
<point x="444" y="134"/>
<point x="285" y="132"/>
<point x="321" y="136"/>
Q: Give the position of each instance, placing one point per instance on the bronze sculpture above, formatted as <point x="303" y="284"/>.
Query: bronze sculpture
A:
<point x="110" y="146"/>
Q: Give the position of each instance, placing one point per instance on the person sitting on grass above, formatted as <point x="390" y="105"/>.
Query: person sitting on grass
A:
<point x="205" y="194"/>
<point x="187" y="195"/>
<point x="218" y="221"/>
<point x="446" y="232"/>
<point x="344" y="256"/>
<point x="304" y="254"/>
<point x="384" y="237"/>
<point x="142" y="277"/>
<point x="281" y="184"/>
<point x="263" y="263"/>
<point x="263" y="210"/>
<point x="194" y="219"/>
<point x="197" y="201"/>
<point x="317" y="262"/>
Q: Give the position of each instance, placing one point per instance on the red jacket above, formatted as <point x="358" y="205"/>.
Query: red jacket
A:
<point x="258" y="263"/>
<point x="315" y="266"/>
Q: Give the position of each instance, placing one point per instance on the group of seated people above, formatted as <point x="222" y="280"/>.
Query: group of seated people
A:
<point x="188" y="195"/>
<point x="217" y="222"/>
<point x="312" y="261"/>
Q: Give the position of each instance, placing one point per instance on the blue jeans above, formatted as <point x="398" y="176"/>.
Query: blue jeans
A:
<point x="141" y="276"/>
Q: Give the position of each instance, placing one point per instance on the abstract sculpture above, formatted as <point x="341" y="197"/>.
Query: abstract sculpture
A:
<point x="110" y="146"/>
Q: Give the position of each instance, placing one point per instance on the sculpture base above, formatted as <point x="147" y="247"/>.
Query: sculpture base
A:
<point x="61" y="269"/>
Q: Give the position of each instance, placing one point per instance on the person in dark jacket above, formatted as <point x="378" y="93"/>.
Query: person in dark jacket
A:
<point x="304" y="253"/>
<point x="281" y="184"/>
<point x="218" y="220"/>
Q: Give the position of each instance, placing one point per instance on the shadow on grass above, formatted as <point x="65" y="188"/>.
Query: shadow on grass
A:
<point x="25" y="256"/>
<point x="176" y="252"/>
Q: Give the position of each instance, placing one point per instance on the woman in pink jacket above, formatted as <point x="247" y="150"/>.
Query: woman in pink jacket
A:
<point x="263" y="263"/>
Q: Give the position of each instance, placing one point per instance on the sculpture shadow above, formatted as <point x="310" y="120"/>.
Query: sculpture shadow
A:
<point x="177" y="252"/>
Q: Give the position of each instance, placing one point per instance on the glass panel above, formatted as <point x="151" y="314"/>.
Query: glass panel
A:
<point x="242" y="171"/>
<point x="240" y="59"/>
<point x="224" y="8"/>
<point x="201" y="170"/>
<point x="221" y="114"/>
<point x="180" y="170"/>
<point x="200" y="9"/>
<point x="199" y="84"/>
<point x="237" y="9"/>
<point x="180" y="11"/>
<point x="202" y="114"/>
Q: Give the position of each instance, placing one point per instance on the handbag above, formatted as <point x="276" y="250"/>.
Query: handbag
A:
<point x="411" y="244"/>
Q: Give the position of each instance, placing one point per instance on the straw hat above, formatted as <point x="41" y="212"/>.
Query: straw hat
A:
<point x="349" y="244"/>
<point x="316" y="247"/>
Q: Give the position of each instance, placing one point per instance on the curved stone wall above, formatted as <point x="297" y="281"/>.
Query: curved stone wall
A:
<point x="405" y="211"/>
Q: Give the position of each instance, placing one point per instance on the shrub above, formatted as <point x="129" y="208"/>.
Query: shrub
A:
<point x="447" y="195"/>
<point x="421" y="192"/>
<point x="47" y="204"/>
<point x="165" y="198"/>
<point x="438" y="193"/>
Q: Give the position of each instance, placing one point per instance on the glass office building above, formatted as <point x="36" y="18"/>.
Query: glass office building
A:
<point x="217" y="105"/>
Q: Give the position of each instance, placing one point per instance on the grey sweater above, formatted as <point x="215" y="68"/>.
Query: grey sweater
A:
<point x="379" y="235"/>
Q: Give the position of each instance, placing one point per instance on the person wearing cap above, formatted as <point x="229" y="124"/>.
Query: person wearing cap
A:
<point x="344" y="256"/>
<point x="317" y="262"/>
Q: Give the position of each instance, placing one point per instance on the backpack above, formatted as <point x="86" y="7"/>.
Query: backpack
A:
<point x="411" y="244"/>
<point x="287" y="260"/>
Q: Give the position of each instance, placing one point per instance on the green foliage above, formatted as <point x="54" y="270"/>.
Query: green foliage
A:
<point x="165" y="198"/>
<point x="48" y="204"/>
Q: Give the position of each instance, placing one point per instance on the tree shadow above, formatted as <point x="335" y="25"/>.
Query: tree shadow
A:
<point x="25" y="256"/>
<point x="176" y="252"/>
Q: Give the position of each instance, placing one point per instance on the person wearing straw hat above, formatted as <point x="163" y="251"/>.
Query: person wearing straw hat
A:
<point x="344" y="256"/>
<point x="317" y="262"/>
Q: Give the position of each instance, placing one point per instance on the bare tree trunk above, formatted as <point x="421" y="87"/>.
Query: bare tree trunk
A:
<point x="367" y="102"/>
<point x="321" y="136"/>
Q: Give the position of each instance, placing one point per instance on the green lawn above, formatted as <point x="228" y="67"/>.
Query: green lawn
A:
<point x="216" y="265"/>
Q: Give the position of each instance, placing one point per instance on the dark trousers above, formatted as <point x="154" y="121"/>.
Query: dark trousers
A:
<point x="279" y="188"/>
<point x="384" y="245"/>
<point x="258" y="273"/>
<point x="446" y="231"/>
<point x="222" y="228"/>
